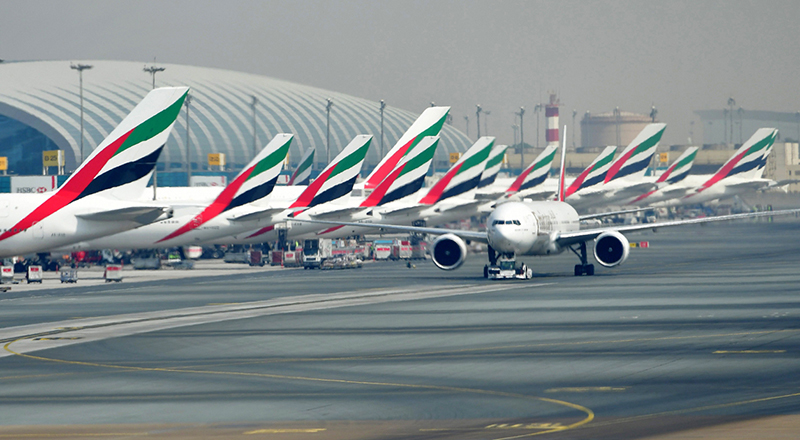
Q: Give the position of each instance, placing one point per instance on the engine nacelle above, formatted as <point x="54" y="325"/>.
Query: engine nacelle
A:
<point x="611" y="248"/>
<point x="448" y="252"/>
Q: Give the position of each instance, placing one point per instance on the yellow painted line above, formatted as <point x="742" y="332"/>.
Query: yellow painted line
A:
<point x="286" y="431"/>
<point x="76" y="435"/>
<point x="525" y="426"/>
<point x="748" y="351"/>
<point x="56" y="338"/>
<point x="589" y="413"/>
<point x="71" y="328"/>
<point x="584" y="389"/>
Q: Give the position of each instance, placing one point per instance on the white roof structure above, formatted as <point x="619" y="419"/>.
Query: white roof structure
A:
<point x="44" y="95"/>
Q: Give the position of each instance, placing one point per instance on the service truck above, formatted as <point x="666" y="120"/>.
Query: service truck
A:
<point x="316" y="251"/>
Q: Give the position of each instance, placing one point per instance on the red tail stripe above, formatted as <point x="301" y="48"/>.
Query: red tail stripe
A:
<point x="380" y="190"/>
<point x="308" y="195"/>
<point x="71" y="189"/>
<point x="262" y="231"/>
<point x="437" y="190"/>
<point x="378" y="176"/>
<point x="215" y="208"/>
<point x="618" y="165"/>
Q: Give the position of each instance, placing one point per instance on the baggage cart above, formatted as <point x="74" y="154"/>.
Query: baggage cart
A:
<point x="7" y="275"/>
<point x="69" y="275"/>
<point x="113" y="273"/>
<point x="34" y="274"/>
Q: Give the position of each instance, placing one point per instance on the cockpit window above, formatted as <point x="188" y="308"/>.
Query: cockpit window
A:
<point x="516" y="222"/>
<point x="498" y="222"/>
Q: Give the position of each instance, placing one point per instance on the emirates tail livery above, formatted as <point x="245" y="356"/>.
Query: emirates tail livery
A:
<point x="541" y="229"/>
<point x="625" y="176"/>
<point x="240" y="206"/>
<point x="100" y="197"/>
<point x="302" y="175"/>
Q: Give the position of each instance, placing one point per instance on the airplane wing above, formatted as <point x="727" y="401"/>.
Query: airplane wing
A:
<point x="256" y="215"/>
<point x="635" y="190"/>
<point x="404" y="211"/>
<point x="612" y="213"/>
<point x="140" y="214"/>
<point x="338" y="213"/>
<point x="467" y="235"/>
<point x="568" y="238"/>
<point x="464" y="206"/>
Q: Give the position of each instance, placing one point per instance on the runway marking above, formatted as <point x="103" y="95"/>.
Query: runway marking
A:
<point x="524" y="426"/>
<point x="748" y="351"/>
<point x="286" y="431"/>
<point x="58" y="338"/>
<point x="589" y="413"/>
<point x="77" y="434"/>
<point x="584" y="389"/>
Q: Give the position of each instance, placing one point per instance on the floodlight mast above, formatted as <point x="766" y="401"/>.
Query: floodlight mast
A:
<point x="152" y="70"/>
<point x="80" y="68"/>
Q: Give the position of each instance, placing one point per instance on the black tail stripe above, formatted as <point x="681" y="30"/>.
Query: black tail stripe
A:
<point x="123" y="174"/>
<point x="252" y="194"/>
<point x="487" y="181"/>
<point x="407" y="189"/>
<point x="333" y="193"/>
<point x="460" y="188"/>
<point x="533" y="182"/>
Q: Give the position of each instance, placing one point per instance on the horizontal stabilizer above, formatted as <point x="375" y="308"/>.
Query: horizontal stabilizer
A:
<point x="144" y="214"/>
<point x="409" y="210"/>
<point x="469" y="206"/>
<point x="257" y="215"/>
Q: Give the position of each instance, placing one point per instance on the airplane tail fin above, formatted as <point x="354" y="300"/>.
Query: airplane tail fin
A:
<point x="562" y="171"/>
<point x="679" y="169"/>
<point x="429" y="123"/>
<point x="493" y="166"/>
<point x="464" y="175"/>
<point x="763" y="162"/>
<point x="302" y="175"/>
<point x="252" y="184"/>
<point x="408" y="177"/>
<point x="745" y="162"/>
<point x="121" y="165"/>
<point x="634" y="160"/>
<point x="337" y="179"/>
<point x="594" y="174"/>
<point x="537" y="171"/>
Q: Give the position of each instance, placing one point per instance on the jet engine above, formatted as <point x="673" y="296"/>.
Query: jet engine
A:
<point x="611" y="248"/>
<point x="448" y="252"/>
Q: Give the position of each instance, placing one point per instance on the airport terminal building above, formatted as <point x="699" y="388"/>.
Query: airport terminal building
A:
<point x="40" y="111"/>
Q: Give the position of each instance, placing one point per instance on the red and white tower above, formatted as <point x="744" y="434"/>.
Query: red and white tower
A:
<point x="551" y="113"/>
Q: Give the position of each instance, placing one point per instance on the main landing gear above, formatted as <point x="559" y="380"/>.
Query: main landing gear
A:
<point x="584" y="268"/>
<point x="503" y="267"/>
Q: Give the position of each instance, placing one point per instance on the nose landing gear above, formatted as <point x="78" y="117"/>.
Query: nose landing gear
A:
<point x="584" y="268"/>
<point x="503" y="267"/>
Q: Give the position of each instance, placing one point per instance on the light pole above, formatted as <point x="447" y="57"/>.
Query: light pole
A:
<point x="731" y="103"/>
<point x="478" y="120"/>
<point x="253" y="104"/>
<point x="466" y="119"/>
<point x="574" y="114"/>
<point x="152" y="70"/>
<point x="515" y="127"/>
<point x="521" y="113"/>
<point x="725" y="128"/>
<point x="328" y="107"/>
<point x="188" y="143"/>
<point x="537" y="109"/>
<point x="741" y="113"/>
<point x="486" y="114"/>
<point x="382" y="108"/>
<point x="616" y="117"/>
<point x="80" y="68"/>
<point x="653" y="113"/>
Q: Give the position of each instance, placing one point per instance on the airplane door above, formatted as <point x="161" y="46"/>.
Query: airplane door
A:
<point x="4" y="209"/>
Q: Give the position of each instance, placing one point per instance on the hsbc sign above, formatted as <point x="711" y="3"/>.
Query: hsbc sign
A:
<point x="33" y="184"/>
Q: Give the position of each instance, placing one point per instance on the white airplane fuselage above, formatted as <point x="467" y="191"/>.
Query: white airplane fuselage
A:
<point x="530" y="228"/>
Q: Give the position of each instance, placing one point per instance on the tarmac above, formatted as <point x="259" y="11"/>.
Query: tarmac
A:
<point x="695" y="336"/>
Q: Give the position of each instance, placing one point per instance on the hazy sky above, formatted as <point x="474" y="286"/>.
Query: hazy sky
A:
<point x="680" y="56"/>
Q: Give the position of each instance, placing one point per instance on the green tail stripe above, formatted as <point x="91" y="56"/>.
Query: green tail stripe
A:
<point x="604" y="161"/>
<point x="420" y="159"/>
<point x="153" y="126"/>
<point x="545" y="161"/>
<point x="351" y="160"/>
<point x="476" y="159"/>
<point x="272" y="160"/>
<point x="495" y="160"/>
<point x="686" y="160"/>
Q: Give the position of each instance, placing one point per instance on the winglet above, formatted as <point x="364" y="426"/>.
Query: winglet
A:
<point x="562" y="173"/>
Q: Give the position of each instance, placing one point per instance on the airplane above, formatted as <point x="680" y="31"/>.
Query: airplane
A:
<point x="100" y="198"/>
<point x="493" y="165"/>
<point x="302" y="175"/>
<point x="543" y="228"/>
<point x="738" y="175"/>
<point x="238" y="205"/>
<point x="624" y="177"/>
<point x="531" y="182"/>
<point x="677" y="172"/>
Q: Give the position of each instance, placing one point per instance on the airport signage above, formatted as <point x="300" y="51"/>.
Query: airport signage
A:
<point x="454" y="157"/>
<point x="3" y="163"/>
<point x="33" y="184"/>
<point x="663" y="157"/>
<point x="54" y="158"/>
<point x="216" y="159"/>
<point x="215" y="181"/>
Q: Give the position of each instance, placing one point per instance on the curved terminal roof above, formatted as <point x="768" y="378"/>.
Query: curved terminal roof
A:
<point x="44" y="96"/>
